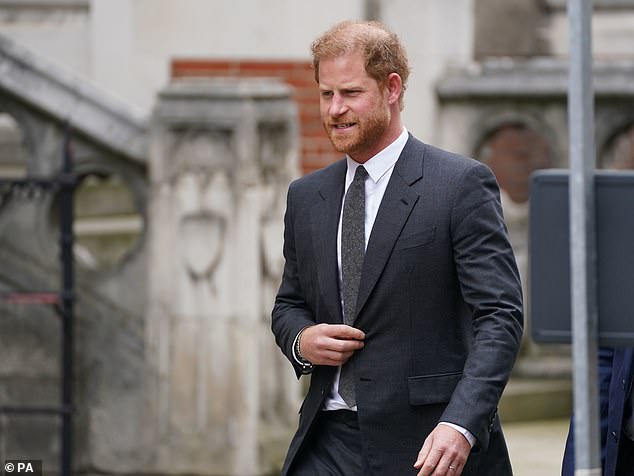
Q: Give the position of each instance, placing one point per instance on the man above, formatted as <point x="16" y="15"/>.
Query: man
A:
<point x="616" y="376"/>
<point x="401" y="297"/>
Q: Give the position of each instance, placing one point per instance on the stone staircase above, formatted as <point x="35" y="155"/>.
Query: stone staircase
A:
<point x="540" y="389"/>
<point x="528" y="399"/>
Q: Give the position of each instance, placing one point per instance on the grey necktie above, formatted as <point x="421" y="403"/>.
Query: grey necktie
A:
<point x="352" y="254"/>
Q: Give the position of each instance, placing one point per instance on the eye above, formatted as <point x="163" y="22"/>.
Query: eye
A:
<point x="326" y="94"/>
<point x="351" y="93"/>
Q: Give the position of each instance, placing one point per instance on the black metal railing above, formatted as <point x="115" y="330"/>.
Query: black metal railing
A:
<point x="63" y="300"/>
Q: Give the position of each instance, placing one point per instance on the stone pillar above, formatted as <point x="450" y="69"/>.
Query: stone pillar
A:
<point x="222" y="153"/>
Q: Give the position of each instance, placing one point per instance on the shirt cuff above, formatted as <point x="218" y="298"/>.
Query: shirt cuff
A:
<point x="463" y="431"/>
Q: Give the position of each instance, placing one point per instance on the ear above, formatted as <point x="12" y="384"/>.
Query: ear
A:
<point x="394" y="86"/>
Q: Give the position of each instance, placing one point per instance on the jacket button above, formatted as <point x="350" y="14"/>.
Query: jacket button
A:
<point x="614" y="436"/>
<point x="624" y="383"/>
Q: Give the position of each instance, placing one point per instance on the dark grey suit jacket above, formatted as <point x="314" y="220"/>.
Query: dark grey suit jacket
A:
<point x="439" y="301"/>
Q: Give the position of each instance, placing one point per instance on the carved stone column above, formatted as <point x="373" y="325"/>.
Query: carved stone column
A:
<point x="221" y="155"/>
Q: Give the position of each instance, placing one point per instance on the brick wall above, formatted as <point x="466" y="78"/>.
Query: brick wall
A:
<point x="316" y="150"/>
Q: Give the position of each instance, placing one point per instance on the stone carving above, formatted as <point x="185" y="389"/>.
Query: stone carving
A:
<point x="204" y="203"/>
<point x="198" y="150"/>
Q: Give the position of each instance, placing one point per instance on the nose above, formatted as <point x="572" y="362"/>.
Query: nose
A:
<point x="338" y="106"/>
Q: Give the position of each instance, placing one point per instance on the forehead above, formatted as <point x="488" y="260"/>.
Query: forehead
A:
<point x="344" y="69"/>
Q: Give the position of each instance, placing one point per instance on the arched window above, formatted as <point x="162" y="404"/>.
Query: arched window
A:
<point x="618" y="153"/>
<point x="108" y="223"/>
<point x="513" y="151"/>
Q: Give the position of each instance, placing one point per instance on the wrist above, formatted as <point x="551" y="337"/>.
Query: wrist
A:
<point x="306" y="365"/>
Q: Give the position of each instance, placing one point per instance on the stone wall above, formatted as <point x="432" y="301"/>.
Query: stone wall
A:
<point x="510" y="28"/>
<point x="220" y="395"/>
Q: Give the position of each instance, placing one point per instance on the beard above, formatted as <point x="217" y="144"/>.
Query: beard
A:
<point x="364" y="137"/>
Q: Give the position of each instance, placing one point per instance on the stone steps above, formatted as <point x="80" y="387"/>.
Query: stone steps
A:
<point x="528" y="399"/>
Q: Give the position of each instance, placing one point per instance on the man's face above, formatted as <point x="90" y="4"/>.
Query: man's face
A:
<point x="354" y="109"/>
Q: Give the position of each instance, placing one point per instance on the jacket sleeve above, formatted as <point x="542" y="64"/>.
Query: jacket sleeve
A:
<point x="490" y="285"/>
<point x="290" y="313"/>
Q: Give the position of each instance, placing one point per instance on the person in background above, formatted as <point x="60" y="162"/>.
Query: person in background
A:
<point x="616" y="375"/>
<point x="400" y="291"/>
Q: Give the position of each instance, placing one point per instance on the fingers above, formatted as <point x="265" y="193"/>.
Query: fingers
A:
<point x="455" y="469"/>
<point x="336" y="359"/>
<point x="342" y="331"/>
<point x="338" y="338"/>
<point x="444" y="453"/>
<point x="446" y="468"/>
<point x="342" y="346"/>
<point x="423" y="455"/>
<point x="329" y="344"/>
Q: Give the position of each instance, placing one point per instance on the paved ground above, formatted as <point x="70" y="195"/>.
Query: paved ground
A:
<point x="537" y="447"/>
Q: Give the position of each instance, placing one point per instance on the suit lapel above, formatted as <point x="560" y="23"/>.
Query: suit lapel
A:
<point x="324" y="223"/>
<point x="395" y="208"/>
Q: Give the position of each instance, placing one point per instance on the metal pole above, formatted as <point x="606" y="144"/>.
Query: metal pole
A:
<point x="583" y="241"/>
<point x="67" y="239"/>
<point x="373" y="10"/>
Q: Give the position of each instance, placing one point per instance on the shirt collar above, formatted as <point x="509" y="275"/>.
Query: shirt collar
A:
<point x="378" y="165"/>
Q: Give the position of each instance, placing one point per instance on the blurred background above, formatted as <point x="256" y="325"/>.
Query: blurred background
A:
<point x="189" y="118"/>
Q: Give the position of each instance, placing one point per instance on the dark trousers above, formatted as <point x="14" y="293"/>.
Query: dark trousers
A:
<point x="334" y="447"/>
<point x="625" y="463"/>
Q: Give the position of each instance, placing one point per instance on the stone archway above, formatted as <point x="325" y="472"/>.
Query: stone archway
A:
<point x="514" y="150"/>
<point x="618" y="152"/>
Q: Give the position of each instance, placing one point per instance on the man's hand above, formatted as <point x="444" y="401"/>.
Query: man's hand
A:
<point x="444" y="453"/>
<point x="330" y="344"/>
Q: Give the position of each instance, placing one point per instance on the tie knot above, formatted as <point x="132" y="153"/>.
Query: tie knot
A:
<point x="360" y="173"/>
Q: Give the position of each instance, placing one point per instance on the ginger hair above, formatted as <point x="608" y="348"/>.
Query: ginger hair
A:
<point x="382" y="50"/>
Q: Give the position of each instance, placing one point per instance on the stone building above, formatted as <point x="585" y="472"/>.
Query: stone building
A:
<point x="182" y="182"/>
